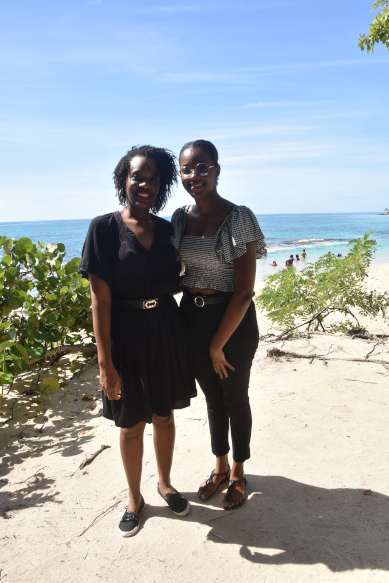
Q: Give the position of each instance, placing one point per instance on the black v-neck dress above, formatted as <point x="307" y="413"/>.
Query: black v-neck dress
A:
<point x="148" y="347"/>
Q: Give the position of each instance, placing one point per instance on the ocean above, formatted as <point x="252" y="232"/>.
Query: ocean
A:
<point x="285" y="234"/>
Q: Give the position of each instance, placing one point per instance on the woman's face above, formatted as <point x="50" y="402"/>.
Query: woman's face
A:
<point x="143" y="181"/>
<point x="196" y="185"/>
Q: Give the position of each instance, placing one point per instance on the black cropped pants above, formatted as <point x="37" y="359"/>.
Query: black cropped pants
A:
<point x="227" y="399"/>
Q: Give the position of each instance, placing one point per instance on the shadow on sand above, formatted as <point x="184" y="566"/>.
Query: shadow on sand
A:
<point x="287" y="522"/>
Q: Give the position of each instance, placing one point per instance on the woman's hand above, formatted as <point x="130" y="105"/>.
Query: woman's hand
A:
<point x="219" y="362"/>
<point x="110" y="383"/>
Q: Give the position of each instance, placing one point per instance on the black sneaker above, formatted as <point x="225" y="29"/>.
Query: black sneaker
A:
<point x="177" y="503"/>
<point x="129" y="524"/>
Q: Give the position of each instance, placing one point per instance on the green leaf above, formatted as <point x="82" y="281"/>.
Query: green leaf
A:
<point x="36" y="351"/>
<point x="50" y="297"/>
<point x="5" y="378"/>
<point x="23" y="352"/>
<point x="17" y="362"/>
<point x="72" y="266"/>
<point x="50" y="383"/>
<point x="5" y="311"/>
<point x="55" y="335"/>
<point x="26" y="243"/>
<point x="6" y="344"/>
<point x="6" y="260"/>
<point x="38" y="273"/>
<point x="13" y="303"/>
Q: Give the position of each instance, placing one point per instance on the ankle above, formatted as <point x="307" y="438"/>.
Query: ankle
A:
<point x="237" y="471"/>
<point x="222" y="466"/>
<point x="133" y="503"/>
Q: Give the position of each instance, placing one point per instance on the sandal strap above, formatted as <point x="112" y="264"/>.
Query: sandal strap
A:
<point x="232" y="485"/>
<point x="214" y="474"/>
<point x="233" y="482"/>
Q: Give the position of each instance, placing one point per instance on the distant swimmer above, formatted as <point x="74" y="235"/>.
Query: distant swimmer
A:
<point x="339" y="255"/>
<point x="264" y="251"/>
<point x="274" y="264"/>
<point x="289" y="262"/>
<point x="297" y="257"/>
<point x="303" y="254"/>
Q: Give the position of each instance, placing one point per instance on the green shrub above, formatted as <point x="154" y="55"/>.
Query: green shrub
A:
<point x="329" y="286"/>
<point x="45" y="307"/>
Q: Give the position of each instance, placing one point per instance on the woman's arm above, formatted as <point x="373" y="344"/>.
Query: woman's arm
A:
<point x="101" y="312"/>
<point x="244" y="272"/>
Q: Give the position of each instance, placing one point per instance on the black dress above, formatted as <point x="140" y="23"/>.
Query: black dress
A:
<point x="148" y="347"/>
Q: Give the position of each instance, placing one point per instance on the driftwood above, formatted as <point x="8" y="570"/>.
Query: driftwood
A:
<point x="101" y="515"/>
<point x="276" y="352"/>
<point x="33" y="476"/>
<point x="90" y="360"/>
<point x="65" y="349"/>
<point x="90" y="459"/>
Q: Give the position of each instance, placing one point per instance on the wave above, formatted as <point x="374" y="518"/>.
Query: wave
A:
<point x="306" y="244"/>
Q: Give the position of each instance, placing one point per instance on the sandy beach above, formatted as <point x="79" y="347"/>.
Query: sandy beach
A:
<point x="317" y="507"/>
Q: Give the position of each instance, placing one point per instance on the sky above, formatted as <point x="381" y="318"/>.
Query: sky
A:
<point x="298" y="113"/>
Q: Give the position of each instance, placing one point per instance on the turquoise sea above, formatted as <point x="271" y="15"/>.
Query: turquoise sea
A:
<point x="285" y="234"/>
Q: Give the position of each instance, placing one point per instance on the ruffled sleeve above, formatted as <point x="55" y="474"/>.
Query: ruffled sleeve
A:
<point x="178" y="223"/>
<point x="240" y="227"/>
<point x="96" y="253"/>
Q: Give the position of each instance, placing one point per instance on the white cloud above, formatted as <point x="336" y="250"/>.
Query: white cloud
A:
<point x="240" y="75"/>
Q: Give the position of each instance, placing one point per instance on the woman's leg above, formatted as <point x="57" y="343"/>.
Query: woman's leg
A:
<point x="238" y="406"/>
<point x="131" y="448"/>
<point x="164" y="433"/>
<point x="240" y="351"/>
<point x="218" y="427"/>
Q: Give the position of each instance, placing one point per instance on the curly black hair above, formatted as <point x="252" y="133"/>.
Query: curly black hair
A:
<point x="203" y="145"/>
<point x="166" y="164"/>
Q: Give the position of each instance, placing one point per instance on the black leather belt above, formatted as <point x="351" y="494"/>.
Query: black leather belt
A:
<point x="140" y="304"/>
<point x="204" y="300"/>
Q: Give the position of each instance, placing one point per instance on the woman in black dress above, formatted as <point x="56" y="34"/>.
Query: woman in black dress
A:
<point x="144" y="366"/>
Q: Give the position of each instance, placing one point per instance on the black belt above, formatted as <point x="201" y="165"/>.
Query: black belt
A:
<point x="204" y="300"/>
<point x="140" y="304"/>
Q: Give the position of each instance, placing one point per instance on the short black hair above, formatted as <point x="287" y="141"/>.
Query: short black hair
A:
<point x="166" y="164"/>
<point x="203" y="145"/>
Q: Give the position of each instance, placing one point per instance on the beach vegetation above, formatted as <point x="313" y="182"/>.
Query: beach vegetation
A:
<point x="379" y="28"/>
<point x="330" y="286"/>
<point x="45" y="312"/>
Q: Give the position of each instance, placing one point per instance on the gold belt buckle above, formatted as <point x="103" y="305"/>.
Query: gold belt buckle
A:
<point x="149" y="304"/>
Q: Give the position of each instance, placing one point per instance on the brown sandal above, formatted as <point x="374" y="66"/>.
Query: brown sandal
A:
<point x="230" y="489"/>
<point x="209" y="481"/>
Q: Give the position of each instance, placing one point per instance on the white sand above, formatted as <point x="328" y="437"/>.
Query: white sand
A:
<point x="320" y="440"/>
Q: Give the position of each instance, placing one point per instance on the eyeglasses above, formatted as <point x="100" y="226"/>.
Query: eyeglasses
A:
<point x="201" y="169"/>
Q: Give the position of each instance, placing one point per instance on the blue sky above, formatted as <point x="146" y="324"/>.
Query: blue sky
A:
<point x="298" y="112"/>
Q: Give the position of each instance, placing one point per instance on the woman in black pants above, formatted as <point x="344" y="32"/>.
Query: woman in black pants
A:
<point x="219" y="243"/>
